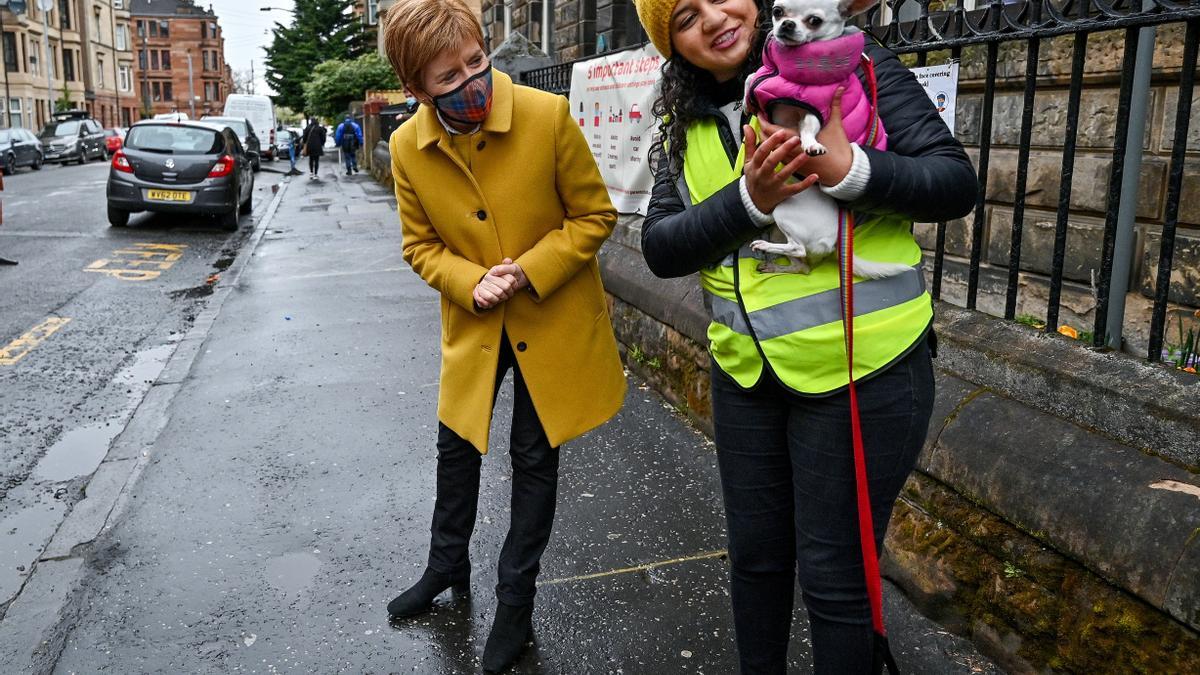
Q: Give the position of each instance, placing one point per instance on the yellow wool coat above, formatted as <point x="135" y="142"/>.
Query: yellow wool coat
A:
<point x="529" y="190"/>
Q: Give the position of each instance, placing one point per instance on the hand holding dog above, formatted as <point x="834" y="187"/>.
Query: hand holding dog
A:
<point x="499" y="284"/>
<point x="832" y="167"/>
<point x="768" y="187"/>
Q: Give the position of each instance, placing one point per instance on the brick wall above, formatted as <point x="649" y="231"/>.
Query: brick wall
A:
<point x="186" y="35"/>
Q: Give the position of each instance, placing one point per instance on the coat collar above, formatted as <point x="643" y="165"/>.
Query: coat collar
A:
<point x="499" y="119"/>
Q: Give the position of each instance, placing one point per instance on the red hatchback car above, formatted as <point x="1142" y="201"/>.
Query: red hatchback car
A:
<point x="114" y="139"/>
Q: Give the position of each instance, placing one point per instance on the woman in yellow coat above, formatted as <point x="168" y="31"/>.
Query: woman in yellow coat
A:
<point x="503" y="210"/>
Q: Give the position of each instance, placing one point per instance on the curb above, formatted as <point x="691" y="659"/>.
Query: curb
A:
<point x="33" y="629"/>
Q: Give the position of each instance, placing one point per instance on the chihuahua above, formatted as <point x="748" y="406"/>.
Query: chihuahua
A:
<point x="810" y="54"/>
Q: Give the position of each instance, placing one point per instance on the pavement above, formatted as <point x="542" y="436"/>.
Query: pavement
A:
<point x="278" y="487"/>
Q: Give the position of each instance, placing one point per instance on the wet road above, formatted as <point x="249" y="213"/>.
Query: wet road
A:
<point x="288" y="498"/>
<point x="86" y="319"/>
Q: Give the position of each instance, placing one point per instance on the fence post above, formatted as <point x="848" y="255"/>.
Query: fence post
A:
<point x="1135" y="142"/>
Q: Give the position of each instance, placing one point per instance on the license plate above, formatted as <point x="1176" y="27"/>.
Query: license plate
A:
<point x="169" y="195"/>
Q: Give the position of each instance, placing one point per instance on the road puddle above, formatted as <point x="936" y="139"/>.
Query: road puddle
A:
<point x="291" y="573"/>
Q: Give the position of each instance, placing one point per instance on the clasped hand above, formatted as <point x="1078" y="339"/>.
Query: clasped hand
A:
<point x="499" y="284"/>
<point x="768" y="187"/>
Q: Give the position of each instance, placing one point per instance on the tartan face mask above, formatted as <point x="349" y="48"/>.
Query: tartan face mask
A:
<point x="470" y="102"/>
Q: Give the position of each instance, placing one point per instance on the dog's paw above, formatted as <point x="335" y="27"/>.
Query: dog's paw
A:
<point x="760" y="246"/>
<point x="815" y="149"/>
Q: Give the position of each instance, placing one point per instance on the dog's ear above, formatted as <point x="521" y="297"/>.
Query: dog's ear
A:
<point x="849" y="8"/>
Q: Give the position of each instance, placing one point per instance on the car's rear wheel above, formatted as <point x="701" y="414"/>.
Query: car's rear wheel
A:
<point x="247" y="206"/>
<point x="37" y="162"/>
<point x="10" y="164"/>
<point x="104" y="154"/>
<point x="229" y="220"/>
<point x="117" y="217"/>
<point x="83" y="156"/>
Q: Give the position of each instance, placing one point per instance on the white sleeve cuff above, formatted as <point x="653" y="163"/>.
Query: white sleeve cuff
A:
<point x="855" y="183"/>
<point x="760" y="219"/>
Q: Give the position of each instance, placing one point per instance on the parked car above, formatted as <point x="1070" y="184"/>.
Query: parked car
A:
<point x="20" y="148"/>
<point x="245" y="133"/>
<point x="180" y="167"/>
<point x="72" y="136"/>
<point x="114" y="138"/>
<point x="261" y="113"/>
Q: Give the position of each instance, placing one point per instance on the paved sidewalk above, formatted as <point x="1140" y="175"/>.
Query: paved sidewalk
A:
<point x="288" y="498"/>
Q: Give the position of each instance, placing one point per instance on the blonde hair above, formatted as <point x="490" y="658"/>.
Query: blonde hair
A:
<point x="416" y="31"/>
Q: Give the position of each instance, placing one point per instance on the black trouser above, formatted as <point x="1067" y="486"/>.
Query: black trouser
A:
<point x="787" y="473"/>
<point x="314" y="163"/>
<point x="534" y="490"/>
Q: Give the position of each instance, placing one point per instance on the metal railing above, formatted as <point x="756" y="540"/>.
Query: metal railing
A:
<point x="955" y="27"/>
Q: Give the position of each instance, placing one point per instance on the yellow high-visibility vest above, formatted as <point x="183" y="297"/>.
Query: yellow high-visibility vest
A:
<point x="792" y="322"/>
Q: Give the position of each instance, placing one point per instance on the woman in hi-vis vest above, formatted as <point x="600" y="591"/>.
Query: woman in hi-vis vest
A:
<point x="781" y="406"/>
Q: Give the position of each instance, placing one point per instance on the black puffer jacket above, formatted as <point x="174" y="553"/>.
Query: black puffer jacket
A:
<point x="924" y="175"/>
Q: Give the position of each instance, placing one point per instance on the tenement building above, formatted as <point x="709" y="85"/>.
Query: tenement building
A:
<point x="70" y="58"/>
<point x="179" y="58"/>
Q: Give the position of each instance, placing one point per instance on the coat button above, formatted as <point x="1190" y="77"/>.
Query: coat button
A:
<point x="520" y="346"/>
<point x="481" y="144"/>
<point x="481" y="214"/>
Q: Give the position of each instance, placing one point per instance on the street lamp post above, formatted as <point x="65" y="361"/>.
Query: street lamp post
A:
<point x="46" y="6"/>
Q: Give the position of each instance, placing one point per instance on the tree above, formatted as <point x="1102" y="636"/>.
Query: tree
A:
<point x="334" y="84"/>
<point x="64" y="101"/>
<point x="321" y="30"/>
<point x="243" y="83"/>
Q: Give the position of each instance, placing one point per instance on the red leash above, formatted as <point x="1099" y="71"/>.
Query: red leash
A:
<point x="866" y="528"/>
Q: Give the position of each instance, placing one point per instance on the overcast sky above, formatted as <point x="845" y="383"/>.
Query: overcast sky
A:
<point x="247" y="30"/>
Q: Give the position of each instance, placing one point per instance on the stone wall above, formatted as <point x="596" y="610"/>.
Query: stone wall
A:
<point x="1097" y="122"/>
<point x="578" y="25"/>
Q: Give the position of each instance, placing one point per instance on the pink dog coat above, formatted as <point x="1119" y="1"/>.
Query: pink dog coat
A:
<point x="807" y="75"/>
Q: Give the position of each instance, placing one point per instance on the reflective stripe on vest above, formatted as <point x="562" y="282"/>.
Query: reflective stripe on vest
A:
<point x="794" y="320"/>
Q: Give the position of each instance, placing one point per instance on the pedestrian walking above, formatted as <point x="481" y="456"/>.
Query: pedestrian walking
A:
<point x="781" y="388"/>
<point x="314" y="146"/>
<point x="503" y="211"/>
<point x="293" y="151"/>
<point x="349" y="138"/>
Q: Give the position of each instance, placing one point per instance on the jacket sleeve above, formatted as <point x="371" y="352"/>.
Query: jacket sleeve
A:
<point x="925" y="174"/>
<point x="444" y="270"/>
<point x="590" y="216"/>
<point x="337" y="135"/>
<point x="358" y="133"/>
<point x="678" y="241"/>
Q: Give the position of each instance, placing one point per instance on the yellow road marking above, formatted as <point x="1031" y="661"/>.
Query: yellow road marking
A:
<point x="125" y="262"/>
<point x="15" y="350"/>
<point x="635" y="568"/>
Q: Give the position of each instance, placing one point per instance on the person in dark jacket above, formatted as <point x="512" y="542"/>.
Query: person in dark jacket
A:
<point x="314" y="146"/>
<point x="780" y="378"/>
<point x="349" y="138"/>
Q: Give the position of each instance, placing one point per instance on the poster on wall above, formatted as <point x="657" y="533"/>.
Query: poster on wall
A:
<point x="941" y="84"/>
<point x="610" y="100"/>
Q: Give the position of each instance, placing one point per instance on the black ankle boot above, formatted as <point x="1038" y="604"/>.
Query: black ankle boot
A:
<point x="419" y="598"/>
<point x="511" y="630"/>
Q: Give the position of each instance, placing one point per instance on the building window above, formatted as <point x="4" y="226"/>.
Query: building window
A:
<point x="14" y="113"/>
<point x="124" y="78"/>
<point x="122" y="37"/>
<point x="96" y="14"/>
<point x="100" y="72"/>
<point x="167" y="91"/>
<point x="141" y="29"/>
<point x="153" y="29"/>
<point x="164" y="29"/>
<point x="118" y="4"/>
<point x="69" y="65"/>
<point x="10" y="53"/>
<point x="166" y="59"/>
<point x="64" y="13"/>
<point x="154" y="59"/>
<point x="35" y="55"/>
<point x="372" y="12"/>
<point x="142" y="59"/>
<point x="52" y="67"/>
<point x="212" y="29"/>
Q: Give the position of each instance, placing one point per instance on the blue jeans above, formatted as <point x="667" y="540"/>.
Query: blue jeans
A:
<point x="350" y="159"/>
<point x="787" y="474"/>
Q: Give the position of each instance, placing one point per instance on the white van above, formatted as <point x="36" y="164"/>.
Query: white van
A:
<point x="261" y="113"/>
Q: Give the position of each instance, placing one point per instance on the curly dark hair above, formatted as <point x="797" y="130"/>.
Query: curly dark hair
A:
<point x="686" y="91"/>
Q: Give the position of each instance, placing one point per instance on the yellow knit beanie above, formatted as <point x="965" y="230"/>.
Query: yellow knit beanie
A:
<point x="655" y="16"/>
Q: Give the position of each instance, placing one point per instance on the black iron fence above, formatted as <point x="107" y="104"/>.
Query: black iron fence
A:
<point x="940" y="28"/>
<point x="922" y="27"/>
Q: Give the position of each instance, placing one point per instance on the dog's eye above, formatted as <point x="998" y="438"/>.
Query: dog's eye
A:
<point x="814" y="21"/>
<point x="777" y="12"/>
